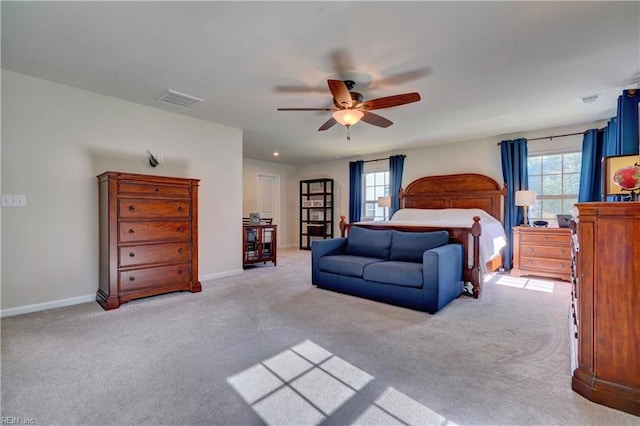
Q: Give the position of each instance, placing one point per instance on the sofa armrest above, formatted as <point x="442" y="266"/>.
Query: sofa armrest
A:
<point x="321" y="248"/>
<point x="442" y="275"/>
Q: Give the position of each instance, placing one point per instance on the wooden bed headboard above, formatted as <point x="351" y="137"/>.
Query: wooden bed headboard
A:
<point x="464" y="191"/>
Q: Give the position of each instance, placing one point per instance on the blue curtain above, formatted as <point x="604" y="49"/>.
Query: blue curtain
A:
<point x="591" y="169"/>
<point x="356" y="169"/>
<point x="627" y="140"/>
<point x="396" y="166"/>
<point x="514" y="172"/>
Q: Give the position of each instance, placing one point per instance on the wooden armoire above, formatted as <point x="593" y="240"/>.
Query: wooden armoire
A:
<point x="606" y="304"/>
<point x="148" y="229"/>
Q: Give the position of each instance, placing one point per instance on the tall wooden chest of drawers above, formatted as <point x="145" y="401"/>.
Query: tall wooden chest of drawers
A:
<point x="607" y="302"/>
<point x="148" y="236"/>
<point x="544" y="252"/>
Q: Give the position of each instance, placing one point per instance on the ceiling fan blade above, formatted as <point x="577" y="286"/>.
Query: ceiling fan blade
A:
<point x="391" y="101"/>
<point x="340" y="93"/>
<point x="306" y="109"/>
<point x="330" y="123"/>
<point x="375" y="119"/>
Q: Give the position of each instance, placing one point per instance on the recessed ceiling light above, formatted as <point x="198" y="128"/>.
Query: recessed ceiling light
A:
<point x="275" y="154"/>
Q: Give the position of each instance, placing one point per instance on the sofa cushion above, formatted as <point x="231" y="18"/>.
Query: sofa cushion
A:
<point x="368" y="242"/>
<point x="405" y="274"/>
<point x="344" y="264"/>
<point x="409" y="246"/>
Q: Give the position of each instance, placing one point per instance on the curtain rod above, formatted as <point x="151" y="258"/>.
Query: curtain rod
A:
<point x="380" y="159"/>
<point x="551" y="137"/>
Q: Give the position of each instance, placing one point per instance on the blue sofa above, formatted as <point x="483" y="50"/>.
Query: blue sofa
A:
<point x="417" y="270"/>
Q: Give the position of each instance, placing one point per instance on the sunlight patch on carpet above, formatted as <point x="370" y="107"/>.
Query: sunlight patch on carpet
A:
<point x="526" y="283"/>
<point x="305" y="384"/>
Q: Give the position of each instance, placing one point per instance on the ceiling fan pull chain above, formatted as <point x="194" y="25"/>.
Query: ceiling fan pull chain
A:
<point x="348" y="133"/>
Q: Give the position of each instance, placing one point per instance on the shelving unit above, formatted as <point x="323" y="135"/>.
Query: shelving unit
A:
<point x="316" y="211"/>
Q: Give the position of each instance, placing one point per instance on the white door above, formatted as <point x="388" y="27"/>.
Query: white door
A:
<point x="269" y="196"/>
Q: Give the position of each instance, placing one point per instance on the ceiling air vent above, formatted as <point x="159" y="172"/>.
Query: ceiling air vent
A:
<point x="179" y="99"/>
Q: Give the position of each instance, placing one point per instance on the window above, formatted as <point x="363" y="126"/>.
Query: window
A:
<point x="376" y="184"/>
<point x="556" y="179"/>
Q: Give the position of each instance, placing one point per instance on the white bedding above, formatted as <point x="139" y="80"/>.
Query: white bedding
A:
<point x="492" y="238"/>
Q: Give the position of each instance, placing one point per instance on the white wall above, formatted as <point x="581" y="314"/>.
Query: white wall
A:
<point x="56" y="139"/>
<point x="287" y="225"/>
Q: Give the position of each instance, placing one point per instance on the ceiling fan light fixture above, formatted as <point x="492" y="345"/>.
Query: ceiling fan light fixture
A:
<point x="348" y="117"/>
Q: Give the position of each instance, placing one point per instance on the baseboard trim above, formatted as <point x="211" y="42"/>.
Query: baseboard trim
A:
<point x="36" y="307"/>
<point x="219" y="275"/>
<point x="47" y="305"/>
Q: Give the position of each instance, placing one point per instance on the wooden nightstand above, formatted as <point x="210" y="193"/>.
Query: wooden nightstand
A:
<point x="544" y="252"/>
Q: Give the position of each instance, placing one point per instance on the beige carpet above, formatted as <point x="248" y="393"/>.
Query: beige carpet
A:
<point x="267" y="347"/>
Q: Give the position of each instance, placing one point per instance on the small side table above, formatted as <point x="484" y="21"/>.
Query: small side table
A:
<point x="544" y="252"/>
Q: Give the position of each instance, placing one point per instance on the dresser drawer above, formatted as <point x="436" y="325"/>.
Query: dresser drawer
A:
<point x="154" y="253"/>
<point x="535" y="237"/>
<point x="132" y="209"/>
<point x="129" y="232"/>
<point x="151" y="189"/>
<point x="163" y="276"/>
<point x="553" y="252"/>
<point x="554" y="265"/>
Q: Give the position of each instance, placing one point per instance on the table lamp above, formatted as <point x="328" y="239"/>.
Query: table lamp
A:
<point x="384" y="202"/>
<point x="525" y="199"/>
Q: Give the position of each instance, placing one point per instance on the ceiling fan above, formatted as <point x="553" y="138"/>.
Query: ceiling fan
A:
<point x="350" y="107"/>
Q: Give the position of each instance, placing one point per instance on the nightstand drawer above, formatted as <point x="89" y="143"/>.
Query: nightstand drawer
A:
<point x="553" y="252"/>
<point x="537" y="238"/>
<point x="555" y="265"/>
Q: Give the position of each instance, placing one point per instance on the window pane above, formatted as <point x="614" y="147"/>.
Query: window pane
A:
<point x="370" y="193"/>
<point x="380" y="178"/>
<point x="550" y="208"/>
<point x="572" y="162"/>
<point x="535" y="211"/>
<point x="369" y="179"/>
<point x="571" y="183"/>
<point x="552" y="185"/>
<point x="535" y="184"/>
<point x="551" y="164"/>
<point x="567" y="205"/>
<point x="379" y="192"/>
<point x="534" y="165"/>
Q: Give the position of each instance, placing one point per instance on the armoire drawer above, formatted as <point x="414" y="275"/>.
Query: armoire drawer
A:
<point x="137" y="208"/>
<point x="154" y="253"/>
<point x="168" y="276"/>
<point x="556" y="265"/>
<point x="129" y="232"/>
<point x="554" y="252"/>
<point x="153" y="189"/>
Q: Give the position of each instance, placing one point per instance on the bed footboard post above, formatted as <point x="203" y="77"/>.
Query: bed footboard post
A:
<point x="476" y="276"/>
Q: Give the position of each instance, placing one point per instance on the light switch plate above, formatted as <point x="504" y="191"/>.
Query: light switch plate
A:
<point x="14" y="200"/>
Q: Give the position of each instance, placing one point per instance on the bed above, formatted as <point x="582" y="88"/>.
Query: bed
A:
<point x="473" y="204"/>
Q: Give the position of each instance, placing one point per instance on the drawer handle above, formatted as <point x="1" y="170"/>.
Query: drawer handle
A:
<point x="180" y="209"/>
<point x="561" y="265"/>
<point x="180" y="250"/>
<point x="157" y="189"/>
<point x="132" y="278"/>
<point x="546" y="238"/>
<point x="179" y="271"/>
<point x="132" y="254"/>
<point x="530" y="249"/>
<point x="181" y="229"/>
<point x="131" y="208"/>
<point x="562" y="251"/>
<point x="131" y="231"/>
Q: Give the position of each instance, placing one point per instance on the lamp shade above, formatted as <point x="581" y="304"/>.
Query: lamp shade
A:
<point x="347" y="117"/>
<point x="384" y="201"/>
<point x="525" y="198"/>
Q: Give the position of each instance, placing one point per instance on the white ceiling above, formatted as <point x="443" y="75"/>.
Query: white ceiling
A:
<point x="483" y="69"/>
